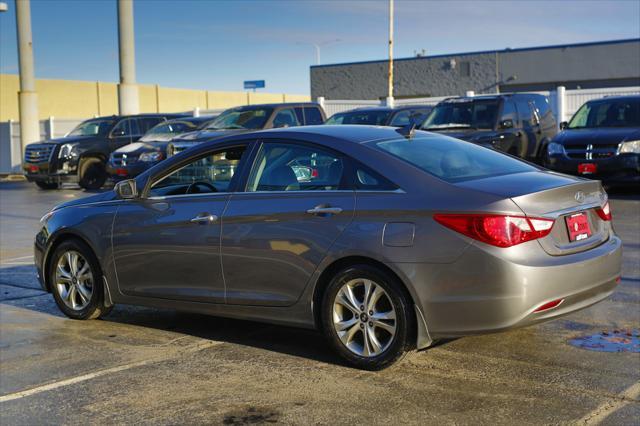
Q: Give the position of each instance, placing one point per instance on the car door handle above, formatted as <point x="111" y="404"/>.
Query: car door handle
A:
<point x="325" y="210"/>
<point x="205" y="218"/>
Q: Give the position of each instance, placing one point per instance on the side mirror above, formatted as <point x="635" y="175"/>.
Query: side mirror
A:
<point x="506" y="124"/>
<point x="564" y="125"/>
<point x="126" y="189"/>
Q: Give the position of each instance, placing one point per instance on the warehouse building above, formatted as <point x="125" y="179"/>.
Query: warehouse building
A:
<point x="575" y="66"/>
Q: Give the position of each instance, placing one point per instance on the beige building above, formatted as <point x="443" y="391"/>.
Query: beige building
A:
<point x="69" y="99"/>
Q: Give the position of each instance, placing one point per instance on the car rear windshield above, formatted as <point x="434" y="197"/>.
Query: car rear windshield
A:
<point x="477" y="114"/>
<point x="451" y="159"/>
<point x="610" y="113"/>
<point x="374" y="118"/>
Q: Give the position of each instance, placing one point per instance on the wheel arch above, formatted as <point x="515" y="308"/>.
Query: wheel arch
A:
<point x="336" y="265"/>
<point x="56" y="240"/>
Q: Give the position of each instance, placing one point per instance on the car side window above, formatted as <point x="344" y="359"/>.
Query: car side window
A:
<point x="509" y="112"/>
<point x="312" y="116"/>
<point x="147" y="123"/>
<point x="291" y="167"/>
<point x="286" y="118"/>
<point x="206" y="174"/>
<point x="368" y="180"/>
<point x="126" y="127"/>
<point x="524" y="111"/>
<point x="401" y="118"/>
<point x="300" y="115"/>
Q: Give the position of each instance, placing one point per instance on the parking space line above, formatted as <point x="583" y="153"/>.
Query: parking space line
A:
<point x="106" y="371"/>
<point x="630" y="395"/>
<point x="14" y="259"/>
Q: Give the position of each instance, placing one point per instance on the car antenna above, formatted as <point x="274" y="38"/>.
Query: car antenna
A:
<point x="407" y="131"/>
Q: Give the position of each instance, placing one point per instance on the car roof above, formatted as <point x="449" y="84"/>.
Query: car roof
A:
<point x="276" y="105"/>
<point x="489" y="97"/>
<point x="616" y="98"/>
<point x="169" y="114"/>
<point x="384" y="108"/>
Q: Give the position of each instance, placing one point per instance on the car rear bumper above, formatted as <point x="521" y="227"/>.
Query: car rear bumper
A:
<point x="485" y="292"/>
<point x="129" y="171"/>
<point x="618" y="169"/>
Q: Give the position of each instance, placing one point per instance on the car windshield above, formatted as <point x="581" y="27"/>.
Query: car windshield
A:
<point x="612" y="113"/>
<point x="92" y="128"/>
<point x="171" y="128"/>
<point x="374" y="118"/>
<point x="254" y="118"/>
<point x="451" y="159"/>
<point x="477" y="114"/>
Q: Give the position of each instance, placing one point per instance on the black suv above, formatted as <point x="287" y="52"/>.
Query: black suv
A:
<point x="601" y="141"/>
<point x="383" y="116"/>
<point x="82" y="154"/>
<point x="251" y="117"/>
<point x="520" y="124"/>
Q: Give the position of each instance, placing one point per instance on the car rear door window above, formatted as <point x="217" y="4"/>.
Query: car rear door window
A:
<point x="294" y="167"/>
<point x="312" y="116"/>
<point x="147" y="123"/>
<point x="286" y="118"/>
<point x="127" y="127"/>
<point x="509" y="112"/>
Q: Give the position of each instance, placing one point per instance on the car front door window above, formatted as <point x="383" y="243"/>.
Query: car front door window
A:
<point x="286" y="118"/>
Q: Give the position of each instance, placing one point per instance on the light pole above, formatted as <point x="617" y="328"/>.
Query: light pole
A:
<point x="390" y="74"/>
<point x="28" y="98"/>
<point x="317" y="47"/>
<point x="127" y="89"/>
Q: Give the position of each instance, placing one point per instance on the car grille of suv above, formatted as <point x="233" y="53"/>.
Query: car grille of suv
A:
<point x="119" y="159"/>
<point x="586" y="151"/>
<point x="40" y="153"/>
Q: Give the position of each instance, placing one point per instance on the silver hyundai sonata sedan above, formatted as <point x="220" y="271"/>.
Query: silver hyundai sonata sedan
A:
<point x="384" y="239"/>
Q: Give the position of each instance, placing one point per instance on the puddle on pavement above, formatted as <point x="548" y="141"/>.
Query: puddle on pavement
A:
<point x="609" y="341"/>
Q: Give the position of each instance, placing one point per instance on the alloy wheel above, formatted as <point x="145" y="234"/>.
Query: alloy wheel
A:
<point x="364" y="317"/>
<point x="74" y="280"/>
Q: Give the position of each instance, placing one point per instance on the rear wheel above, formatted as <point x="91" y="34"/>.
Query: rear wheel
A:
<point x="92" y="173"/>
<point x="76" y="281"/>
<point x="367" y="317"/>
<point x="47" y="185"/>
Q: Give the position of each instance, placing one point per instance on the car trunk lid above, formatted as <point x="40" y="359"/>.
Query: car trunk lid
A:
<point x="554" y="196"/>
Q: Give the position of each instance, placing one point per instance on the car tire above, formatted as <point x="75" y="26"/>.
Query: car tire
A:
<point x="92" y="174"/>
<point x="349" y="323"/>
<point x="47" y="185"/>
<point x="75" y="280"/>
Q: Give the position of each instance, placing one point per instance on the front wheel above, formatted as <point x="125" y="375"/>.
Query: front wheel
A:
<point x="76" y="281"/>
<point x="367" y="317"/>
<point x="92" y="174"/>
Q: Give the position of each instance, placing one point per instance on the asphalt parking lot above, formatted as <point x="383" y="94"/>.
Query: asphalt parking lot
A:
<point x="141" y="365"/>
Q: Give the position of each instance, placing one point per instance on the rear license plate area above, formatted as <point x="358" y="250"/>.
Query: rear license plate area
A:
<point x="578" y="226"/>
<point x="34" y="169"/>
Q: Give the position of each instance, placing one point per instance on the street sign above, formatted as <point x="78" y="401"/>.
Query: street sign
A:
<point x="254" y="84"/>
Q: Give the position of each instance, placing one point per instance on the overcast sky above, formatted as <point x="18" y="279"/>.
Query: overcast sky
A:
<point x="217" y="44"/>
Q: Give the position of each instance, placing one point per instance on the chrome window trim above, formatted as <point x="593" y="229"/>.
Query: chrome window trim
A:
<point x="164" y="197"/>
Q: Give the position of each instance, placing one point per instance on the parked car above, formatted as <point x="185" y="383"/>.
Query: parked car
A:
<point x="520" y="124"/>
<point x="81" y="155"/>
<point x="601" y="141"/>
<point x="385" y="240"/>
<point x="133" y="159"/>
<point x="383" y="116"/>
<point x="251" y="117"/>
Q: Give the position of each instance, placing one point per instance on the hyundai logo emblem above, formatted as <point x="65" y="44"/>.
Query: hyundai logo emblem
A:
<point x="579" y="197"/>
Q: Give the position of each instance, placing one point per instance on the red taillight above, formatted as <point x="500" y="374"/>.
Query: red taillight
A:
<point x="549" y="305"/>
<point x="497" y="230"/>
<point x="604" y="212"/>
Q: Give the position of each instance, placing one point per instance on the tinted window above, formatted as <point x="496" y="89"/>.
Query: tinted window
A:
<point x="300" y="116"/>
<point x="209" y="174"/>
<point x="542" y="106"/>
<point x="368" y="180"/>
<point x="509" y="112"/>
<point x="524" y="110"/>
<point x="285" y="118"/>
<point x="374" y="118"/>
<point x="144" y="124"/>
<point x="128" y="127"/>
<point x="312" y="116"/>
<point x="92" y="128"/>
<point x="613" y="113"/>
<point x="478" y="114"/>
<point x="452" y="159"/>
<point x="288" y="167"/>
<point x="401" y="118"/>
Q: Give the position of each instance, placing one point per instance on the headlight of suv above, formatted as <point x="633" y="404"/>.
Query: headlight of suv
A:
<point x="629" y="147"/>
<point x="68" y="151"/>
<point x="148" y="157"/>
<point x="555" y="148"/>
